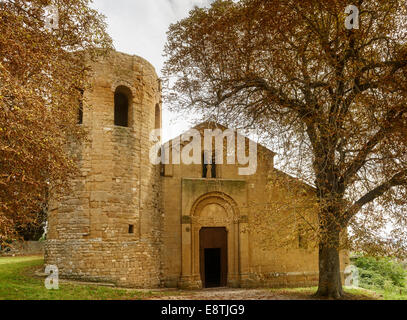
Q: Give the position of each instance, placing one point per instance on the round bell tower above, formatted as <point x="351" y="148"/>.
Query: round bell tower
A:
<point x="109" y="227"/>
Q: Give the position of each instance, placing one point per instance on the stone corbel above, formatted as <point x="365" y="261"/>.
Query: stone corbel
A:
<point x="186" y="220"/>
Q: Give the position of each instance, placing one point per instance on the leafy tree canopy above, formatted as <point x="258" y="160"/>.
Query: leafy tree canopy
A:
<point x="42" y="75"/>
<point x="330" y="99"/>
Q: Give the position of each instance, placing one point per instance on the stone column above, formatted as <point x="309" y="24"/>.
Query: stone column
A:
<point x="233" y="247"/>
<point x="188" y="278"/>
<point x="208" y="171"/>
<point x="244" y="267"/>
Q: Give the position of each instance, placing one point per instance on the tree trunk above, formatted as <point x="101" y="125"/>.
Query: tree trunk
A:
<point x="330" y="282"/>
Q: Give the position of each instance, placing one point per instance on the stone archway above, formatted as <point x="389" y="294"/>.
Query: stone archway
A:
<point x="214" y="210"/>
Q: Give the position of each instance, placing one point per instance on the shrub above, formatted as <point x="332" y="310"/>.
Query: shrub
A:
<point x="382" y="273"/>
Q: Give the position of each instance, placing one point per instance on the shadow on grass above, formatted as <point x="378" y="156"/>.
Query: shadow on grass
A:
<point x="18" y="282"/>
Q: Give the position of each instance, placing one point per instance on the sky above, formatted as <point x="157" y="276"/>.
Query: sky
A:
<point x="139" y="27"/>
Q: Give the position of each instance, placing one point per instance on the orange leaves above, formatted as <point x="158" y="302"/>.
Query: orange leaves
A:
<point x="333" y="100"/>
<point x="38" y="100"/>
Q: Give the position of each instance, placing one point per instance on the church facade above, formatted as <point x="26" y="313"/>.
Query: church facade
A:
<point x="138" y="224"/>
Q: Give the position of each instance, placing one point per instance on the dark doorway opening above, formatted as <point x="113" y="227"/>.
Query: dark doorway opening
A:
<point x="212" y="268"/>
<point x="213" y="257"/>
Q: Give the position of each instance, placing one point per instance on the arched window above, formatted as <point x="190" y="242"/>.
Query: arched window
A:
<point x="157" y="116"/>
<point x="302" y="239"/>
<point x="213" y="167"/>
<point x="204" y="165"/>
<point x="208" y="166"/>
<point x="122" y="98"/>
<point x="80" y="107"/>
<point x="80" y="114"/>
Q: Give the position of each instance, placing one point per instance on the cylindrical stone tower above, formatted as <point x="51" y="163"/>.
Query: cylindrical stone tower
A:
<point x="108" y="229"/>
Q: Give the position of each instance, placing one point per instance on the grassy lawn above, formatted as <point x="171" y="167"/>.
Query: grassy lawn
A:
<point x="391" y="295"/>
<point x="18" y="283"/>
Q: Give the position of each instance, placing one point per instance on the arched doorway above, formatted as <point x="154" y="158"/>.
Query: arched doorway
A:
<point x="213" y="230"/>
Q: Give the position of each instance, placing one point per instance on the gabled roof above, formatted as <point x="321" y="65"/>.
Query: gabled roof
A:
<point x="281" y="174"/>
<point x="215" y="125"/>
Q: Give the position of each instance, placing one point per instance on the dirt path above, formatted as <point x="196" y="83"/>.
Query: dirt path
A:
<point x="245" y="294"/>
<point x="230" y="294"/>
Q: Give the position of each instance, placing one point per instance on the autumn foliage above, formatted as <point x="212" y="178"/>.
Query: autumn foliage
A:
<point x="331" y="100"/>
<point x="42" y="75"/>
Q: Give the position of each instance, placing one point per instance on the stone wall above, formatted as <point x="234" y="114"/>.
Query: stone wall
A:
<point x="109" y="227"/>
<point x="123" y="263"/>
<point x="23" y="248"/>
<point x="263" y="228"/>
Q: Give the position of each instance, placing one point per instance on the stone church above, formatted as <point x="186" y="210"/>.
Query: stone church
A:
<point x="136" y="224"/>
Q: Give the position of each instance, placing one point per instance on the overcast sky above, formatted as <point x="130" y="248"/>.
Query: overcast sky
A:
<point x="139" y="27"/>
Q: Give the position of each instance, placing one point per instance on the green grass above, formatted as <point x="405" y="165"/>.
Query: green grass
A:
<point x="391" y="294"/>
<point x="17" y="282"/>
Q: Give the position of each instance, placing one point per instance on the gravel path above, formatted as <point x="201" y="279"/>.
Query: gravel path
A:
<point x="235" y="294"/>
<point x="245" y="294"/>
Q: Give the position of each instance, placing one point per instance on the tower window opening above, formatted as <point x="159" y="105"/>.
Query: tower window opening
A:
<point x="80" y="107"/>
<point x="121" y="107"/>
<point x="157" y="117"/>
<point x="204" y="166"/>
<point x="131" y="229"/>
<point x="213" y="167"/>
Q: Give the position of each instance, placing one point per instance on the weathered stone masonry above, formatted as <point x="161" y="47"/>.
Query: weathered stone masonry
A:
<point x="109" y="228"/>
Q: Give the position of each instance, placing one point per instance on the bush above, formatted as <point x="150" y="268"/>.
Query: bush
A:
<point x="380" y="273"/>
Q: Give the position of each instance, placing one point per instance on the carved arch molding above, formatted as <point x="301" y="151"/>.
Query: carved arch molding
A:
<point x="213" y="210"/>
